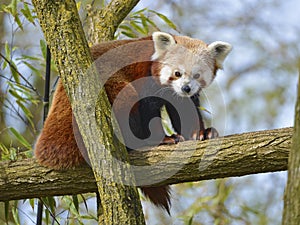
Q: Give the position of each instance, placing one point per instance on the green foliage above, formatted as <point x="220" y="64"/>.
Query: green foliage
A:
<point x="18" y="12"/>
<point x="142" y="23"/>
<point x="20" y="73"/>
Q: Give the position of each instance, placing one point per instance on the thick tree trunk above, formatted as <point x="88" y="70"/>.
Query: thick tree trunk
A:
<point x="115" y="181"/>
<point x="235" y="155"/>
<point x="291" y="213"/>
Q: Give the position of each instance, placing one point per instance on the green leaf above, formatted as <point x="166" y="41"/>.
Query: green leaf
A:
<point x="51" y="204"/>
<point x="204" y="109"/>
<point x="190" y="221"/>
<point x="15" y="94"/>
<point x="11" y="64"/>
<point x="15" y="214"/>
<point x="31" y="203"/>
<point x="130" y="35"/>
<point x="27" y="13"/>
<point x="125" y="27"/>
<point x="43" y="47"/>
<point x="140" y="11"/>
<point x="6" y="210"/>
<point x="165" y="19"/>
<point x="35" y="70"/>
<point x="14" y="72"/>
<point x="7" y="55"/>
<point x="75" y="202"/>
<point x="84" y="202"/>
<point x="151" y="22"/>
<point x="20" y="138"/>
<point x="26" y="111"/>
<point x="4" y="149"/>
<point x="13" y="6"/>
<point x="28" y="57"/>
<point x="18" y="21"/>
<point x="137" y="27"/>
<point x="144" y="23"/>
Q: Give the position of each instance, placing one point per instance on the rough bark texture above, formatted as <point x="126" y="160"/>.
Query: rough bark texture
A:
<point x="291" y="213"/>
<point x="236" y="155"/>
<point x="103" y="23"/>
<point x="64" y="35"/>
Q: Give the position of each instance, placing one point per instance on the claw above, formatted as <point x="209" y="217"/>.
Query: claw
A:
<point x="206" y="134"/>
<point x="210" y="133"/>
<point x="173" y="139"/>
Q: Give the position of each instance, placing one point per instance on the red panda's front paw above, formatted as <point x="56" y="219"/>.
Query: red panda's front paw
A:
<point x="173" y="139"/>
<point x="210" y="133"/>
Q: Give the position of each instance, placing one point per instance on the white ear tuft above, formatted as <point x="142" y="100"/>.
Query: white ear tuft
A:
<point x="219" y="51"/>
<point x="162" y="41"/>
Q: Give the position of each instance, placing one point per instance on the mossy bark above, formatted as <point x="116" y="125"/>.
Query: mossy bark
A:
<point x="64" y="35"/>
<point x="291" y="213"/>
<point x="103" y="23"/>
<point x="235" y="155"/>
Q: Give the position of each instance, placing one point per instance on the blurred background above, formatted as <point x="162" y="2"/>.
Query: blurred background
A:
<point x="255" y="91"/>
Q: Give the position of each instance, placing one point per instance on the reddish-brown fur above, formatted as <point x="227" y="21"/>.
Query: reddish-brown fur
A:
<point x="56" y="146"/>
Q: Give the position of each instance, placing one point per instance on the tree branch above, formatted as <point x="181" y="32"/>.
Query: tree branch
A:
<point x="235" y="155"/>
<point x="103" y="23"/>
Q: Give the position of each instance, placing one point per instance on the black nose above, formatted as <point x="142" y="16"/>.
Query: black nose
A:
<point x="186" y="89"/>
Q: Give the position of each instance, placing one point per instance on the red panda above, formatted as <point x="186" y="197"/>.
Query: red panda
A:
<point x="175" y="69"/>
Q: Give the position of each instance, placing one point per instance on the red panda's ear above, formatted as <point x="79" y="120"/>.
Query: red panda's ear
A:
<point x="162" y="42"/>
<point x="219" y="50"/>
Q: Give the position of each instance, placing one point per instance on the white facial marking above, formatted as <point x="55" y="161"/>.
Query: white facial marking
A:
<point x="165" y="74"/>
<point x="188" y="69"/>
<point x="193" y="84"/>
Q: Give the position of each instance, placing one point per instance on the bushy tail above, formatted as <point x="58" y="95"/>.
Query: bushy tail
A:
<point x="160" y="196"/>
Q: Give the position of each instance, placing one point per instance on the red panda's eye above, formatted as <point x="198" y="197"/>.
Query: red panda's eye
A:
<point x="196" y="76"/>
<point x="177" y="74"/>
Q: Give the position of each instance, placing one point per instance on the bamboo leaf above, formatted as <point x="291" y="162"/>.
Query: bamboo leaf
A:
<point x="27" y="112"/>
<point x="15" y="94"/>
<point x="165" y="19"/>
<point x="31" y="203"/>
<point x="125" y="27"/>
<point x="52" y="204"/>
<point x="7" y="55"/>
<point x="75" y="202"/>
<point x="13" y="6"/>
<point x="190" y="221"/>
<point x="20" y="138"/>
<point x="130" y="35"/>
<point x="34" y="69"/>
<point x="18" y="21"/>
<point x="14" y="72"/>
<point x="43" y="47"/>
<point x="84" y="202"/>
<point x="27" y="13"/>
<point x="137" y="27"/>
<point x="145" y="24"/>
<point x="6" y="210"/>
<point x="4" y="149"/>
<point x="204" y="109"/>
<point x="15" y="214"/>
<point x="140" y="11"/>
<point x="151" y="22"/>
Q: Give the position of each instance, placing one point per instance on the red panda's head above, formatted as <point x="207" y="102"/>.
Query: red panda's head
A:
<point x="186" y="64"/>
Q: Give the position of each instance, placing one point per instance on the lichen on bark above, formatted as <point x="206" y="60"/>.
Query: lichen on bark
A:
<point x="64" y="34"/>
